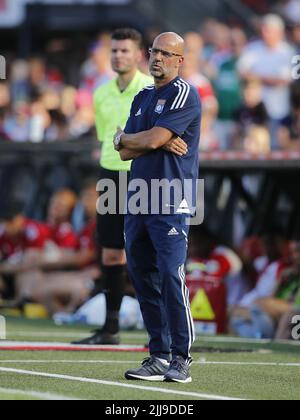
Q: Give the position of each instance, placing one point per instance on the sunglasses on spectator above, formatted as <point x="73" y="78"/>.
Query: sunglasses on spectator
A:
<point x="166" y="54"/>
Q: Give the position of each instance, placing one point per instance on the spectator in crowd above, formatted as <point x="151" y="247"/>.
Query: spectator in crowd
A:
<point x="201" y="83"/>
<point x="19" y="235"/>
<point x="220" y="50"/>
<point x="17" y="125"/>
<point x="252" y="111"/>
<point x="267" y="267"/>
<point x="83" y="122"/>
<point x="5" y="99"/>
<point x="257" y="141"/>
<point x="208" y="32"/>
<point x="60" y="211"/>
<point x="69" y="102"/>
<point x="97" y="71"/>
<point x="289" y="134"/>
<point x="209" y="138"/>
<point x="196" y="66"/>
<point x="191" y="73"/>
<point x="227" y="85"/>
<point x="271" y="313"/>
<point x="286" y="301"/>
<point x="4" y="96"/>
<point x="60" y="247"/>
<point x="289" y="137"/>
<point x="296" y="37"/>
<point x="268" y="60"/>
<point x="21" y="241"/>
<point x="37" y="75"/>
<point x="251" y="118"/>
<point x="65" y="291"/>
<point x="19" y="81"/>
<point x="290" y="9"/>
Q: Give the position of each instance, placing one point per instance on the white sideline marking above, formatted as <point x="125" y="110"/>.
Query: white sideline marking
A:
<point x="50" y="335"/>
<point x="129" y="362"/>
<point x="237" y="340"/>
<point x="68" y="335"/>
<point x="119" y="384"/>
<point x="71" y="362"/>
<point x="41" y="395"/>
<point x="7" y="343"/>
<point x="21" y="345"/>
<point x="201" y="338"/>
<point x="249" y="364"/>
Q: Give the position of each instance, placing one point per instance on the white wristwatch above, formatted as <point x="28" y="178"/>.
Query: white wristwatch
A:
<point x="117" y="141"/>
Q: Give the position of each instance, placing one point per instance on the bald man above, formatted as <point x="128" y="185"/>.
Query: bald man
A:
<point x="162" y="138"/>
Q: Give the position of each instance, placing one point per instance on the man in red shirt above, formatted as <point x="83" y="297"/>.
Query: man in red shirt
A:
<point x="60" y="211"/>
<point x="19" y="234"/>
<point x="61" y="245"/>
<point x="21" y="240"/>
<point x="65" y="291"/>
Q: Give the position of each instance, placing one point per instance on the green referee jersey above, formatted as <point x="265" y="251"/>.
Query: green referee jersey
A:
<point x="112" y="110"/>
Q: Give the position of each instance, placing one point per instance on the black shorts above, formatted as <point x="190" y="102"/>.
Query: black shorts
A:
<point x="110" y="228"/>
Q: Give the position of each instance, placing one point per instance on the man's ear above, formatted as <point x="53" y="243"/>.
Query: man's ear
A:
<point x="181" y="61"/>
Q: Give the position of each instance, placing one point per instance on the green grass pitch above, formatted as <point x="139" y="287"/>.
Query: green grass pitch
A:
<point x="262" y="370"/>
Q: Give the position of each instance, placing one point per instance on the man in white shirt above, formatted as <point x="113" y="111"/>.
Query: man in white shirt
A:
<point x="269" y="61"/>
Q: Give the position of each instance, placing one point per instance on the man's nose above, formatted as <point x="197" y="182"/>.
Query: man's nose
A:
<point x="159" y="56"/>
<point x="118" y="54"/>
<point x="158" y="60"/>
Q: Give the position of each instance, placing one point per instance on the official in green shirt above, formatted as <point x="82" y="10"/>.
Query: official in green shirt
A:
<point x="112" y="107"/>
<point x="113" y="104"/>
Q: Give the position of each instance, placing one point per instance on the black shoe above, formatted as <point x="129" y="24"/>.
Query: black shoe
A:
<point x="152" y="370"/>
<point x="179" y="371"/>
<point x="100" y="338"/>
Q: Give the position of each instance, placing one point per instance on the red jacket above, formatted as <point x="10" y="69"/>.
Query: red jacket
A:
<point x="34" y="236"/>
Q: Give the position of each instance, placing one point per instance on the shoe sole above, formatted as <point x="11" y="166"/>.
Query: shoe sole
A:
<point x="145" y="378"/>
<point x="178" y="381"/>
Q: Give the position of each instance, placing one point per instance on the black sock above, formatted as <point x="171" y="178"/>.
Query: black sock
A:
<point x="114" y="287"/>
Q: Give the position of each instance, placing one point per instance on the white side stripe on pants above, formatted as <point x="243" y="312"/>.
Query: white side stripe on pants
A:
<point x="187" y="306"/>
<point x="190" y="314"/>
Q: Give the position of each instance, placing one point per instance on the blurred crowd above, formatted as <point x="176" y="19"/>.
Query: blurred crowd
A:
<point x="252" y="291"/>
<point x="52" y="262"/>
<point x="40" y="101"/>
<point x="250" y="100"/>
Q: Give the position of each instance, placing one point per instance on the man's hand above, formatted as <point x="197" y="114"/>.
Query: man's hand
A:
<point x="177" y="146"/>
<point x="117" y="139"/>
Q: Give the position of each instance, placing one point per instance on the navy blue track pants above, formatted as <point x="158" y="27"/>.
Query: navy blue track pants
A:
<point x="156" y="248"/>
